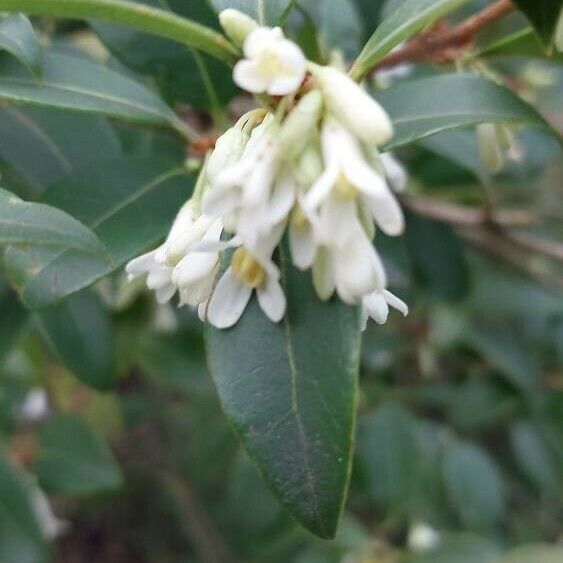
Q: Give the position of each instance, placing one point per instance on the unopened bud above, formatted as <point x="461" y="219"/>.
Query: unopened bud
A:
<point x="228" y="150"/>
<point x="300" y="124"/>
<point x="237" y="25"/>
<point x="308" y="167"/>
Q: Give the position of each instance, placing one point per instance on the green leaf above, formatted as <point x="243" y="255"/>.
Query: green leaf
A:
<point x="534" y="458"/>
<point x="129" y="203"/>
<point x="544" y="15"/>
<point x="35" y="225"/>
<point x="438" y="258"/>
<point x="79" y="331"/>
<point x="411" y="17"/>
<point x="13" y="317"/>
<point x="79" y="84"/>
<point x="18" y="38"/>
<point x="522" y="43"/>
<point x="143" y="18"/>
<point x="387" y="448"/>
<point x="459" y="548"/>
<point x="73" y="460"/>
<point x="21" y="540"/>
<point x="423" y="107"/>
<point x="474" y="486"/>
<point x="267" y="12"/>
<point x="43" y="145"/>
<point x="534" y="554"/>
<point x="183" y="75"/>
<point x="289" y="389"/>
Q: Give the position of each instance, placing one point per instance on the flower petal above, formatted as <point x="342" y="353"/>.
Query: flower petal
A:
<point x="194" y="267"/>
<point x="247" y="76"/>
<point x="377" y="307"/>
<point x="302" y="245"/>
<point x="228" y="302"/>
<point x="396" y="303"/>
<point x="272" y="300"/>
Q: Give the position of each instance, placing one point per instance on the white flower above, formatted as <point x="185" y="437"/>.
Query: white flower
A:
<point x="158" y="275"/>
<point x="273" y="64"/>
<point x="51" y="527"/>
<point x="376" y="306"/>
<point x="395" y="172"/>
<point x="422" y="537"/>
<point x="303" y="241"/>
<point x="35" y="405"/>
<point x="237" y="25"/>
<point x="348" y="176"/>
<point x="353" y="268"/>
<point x="246" y="274"/>
<point x="353" y="106"/>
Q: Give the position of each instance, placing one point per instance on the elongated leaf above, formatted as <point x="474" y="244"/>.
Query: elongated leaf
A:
<point x="411" y="17"/>
<point x="289" y="390"/>
<point x="74" y="460"/>
<point x="388" y="452"/>
<point x="144" y="18"/>
<point x="522" y="43"/>
<point x="78" y="84"/>
<point x="43" y="145"/>
<point x="35" y="224"/>
<point x="544" y="15"/>
<point x="79" y="331"/>
<point x="474" y="486"/>
<point x="420" y="108"/>
<point x="129" y="203"/>
<point x="18" y="38"/>
<point x="21" y="540"/>
<point x="267" y="12"/>
<point x="183" y="75"/>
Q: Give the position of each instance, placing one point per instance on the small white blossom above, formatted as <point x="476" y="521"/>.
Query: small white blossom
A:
<point x="273" y="64"/>
<point x="376" y="306"/>
<point x="423" y="538"/>
<point x="395" y="172"/>
<point x="35" y="405"/>
<point x="349" y="176"/>
<point x="158" y="275"/>
<point x="353" y="106"/>
<point x="237" y="25"/>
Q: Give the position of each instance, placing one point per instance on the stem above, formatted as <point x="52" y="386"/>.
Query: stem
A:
<point x="138" y="16"/>
<point x="429" y="44"/>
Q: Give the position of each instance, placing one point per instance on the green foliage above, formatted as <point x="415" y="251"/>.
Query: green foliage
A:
<point x="105" y="400"/>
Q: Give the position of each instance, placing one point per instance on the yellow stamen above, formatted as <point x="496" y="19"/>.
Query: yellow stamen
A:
<point x="298" y="218"/>
<point x="247" y="268"/>
<point x="344" y="189"/>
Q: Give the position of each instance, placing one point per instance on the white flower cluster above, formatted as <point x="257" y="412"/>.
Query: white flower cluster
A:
<point x="309" y="168"/>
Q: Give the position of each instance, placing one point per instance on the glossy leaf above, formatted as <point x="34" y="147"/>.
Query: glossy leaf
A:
<point x="474" y="486"/>
<point x="522" y="43"/>
<point x="129" y="203"/>
<point x="183" y="75"/>
<point x="544" y="15"/>
<point x="411" y="17"/>
<point x="79" y="332"/>
<point x="423" y="107"/>
<point x="79" y="84"/>
<point x="73" y="459"/>
<point x="289" y="389"/>
<point x="18" y="38"/>
<point x="21" y="540"/>
<point x="267" y="12"/>
<point x="388" y="452"/>
<point x="143" y="18"/>
<point x="43" y="145"/>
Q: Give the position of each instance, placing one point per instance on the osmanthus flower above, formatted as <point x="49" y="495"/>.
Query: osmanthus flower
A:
<point x="348" y="176"/>
<point x="376" y="306"/>
<point x="273" y="64"/>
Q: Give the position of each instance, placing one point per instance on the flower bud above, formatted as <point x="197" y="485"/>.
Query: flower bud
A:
<point x="309" y="166"/>
<point x="300" y="124"/>
<point x="228" y="150"/>
<point x="237" y="25"/>
<point x="353" y="106"/>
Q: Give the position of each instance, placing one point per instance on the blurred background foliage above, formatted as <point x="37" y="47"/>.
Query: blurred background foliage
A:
<point x="108" y="418"/>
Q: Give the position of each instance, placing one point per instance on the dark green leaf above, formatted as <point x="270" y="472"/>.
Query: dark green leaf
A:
<point x="438" y="258"/>
<point x="79" y="331"/>
<point x="79" y="84"/>
<point x="423" y="107"/>
<point x="18" y="38"/>
<point x="522" y="43"/>
<point x="129" y="203"/>
<point x="268" y="12"/>
<point x="13" y="317"/>
<point x="474" y="486"/>
<point x="289" y="390"/>
<point x="21" y="540"/>
<point x="45" y="145"/>
<point x="411" y="17"/>
<point x="387" y="448"/>
<point x="74" y="460"/>
<point x="544" y="15"/>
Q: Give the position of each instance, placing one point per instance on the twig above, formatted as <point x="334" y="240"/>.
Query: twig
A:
<point x="442" y="44"/>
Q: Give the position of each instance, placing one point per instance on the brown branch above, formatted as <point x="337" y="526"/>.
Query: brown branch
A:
<point x="442" y="44"/>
